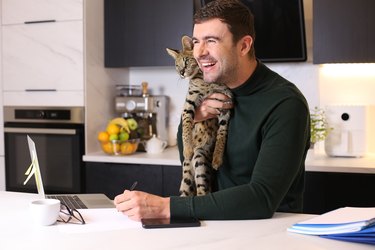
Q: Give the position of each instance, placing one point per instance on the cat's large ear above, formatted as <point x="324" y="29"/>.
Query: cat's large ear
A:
<point x="173" y="53"/>
<point x="187" y="43"/>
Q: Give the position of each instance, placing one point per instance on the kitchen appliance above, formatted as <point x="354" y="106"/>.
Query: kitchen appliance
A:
<point x="350" y="125"/>
<point x="150" y="112"/>
<point x="59" y="134"/>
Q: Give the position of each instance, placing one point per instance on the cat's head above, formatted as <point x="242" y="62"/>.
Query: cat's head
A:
<point x="186" y="65"/>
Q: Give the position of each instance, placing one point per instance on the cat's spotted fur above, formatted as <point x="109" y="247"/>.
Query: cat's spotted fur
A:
<point x="203" y="142"/>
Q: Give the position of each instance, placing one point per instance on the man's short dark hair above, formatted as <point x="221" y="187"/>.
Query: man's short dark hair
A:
<point x="234" y="13"/>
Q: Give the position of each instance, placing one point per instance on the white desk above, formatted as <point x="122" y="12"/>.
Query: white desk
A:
<point x="17" y="232"/>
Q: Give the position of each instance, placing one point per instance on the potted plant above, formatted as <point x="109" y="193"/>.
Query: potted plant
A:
<point x="318" y="126"/>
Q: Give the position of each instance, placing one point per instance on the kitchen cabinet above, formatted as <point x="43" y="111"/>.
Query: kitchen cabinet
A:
<point x="343" y="31"/>
<point x="113" y="178"/>
<point x="20" y="11"/>
<point x="138" y="32"/>
<point x="325" y="191"/>
<point x="49" y="55"/>
<point x="42" y="52"/>
<point x="2" y="161"/>
<point x="2" y="172"/>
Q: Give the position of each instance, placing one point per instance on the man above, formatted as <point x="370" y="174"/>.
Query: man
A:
<point x="263" y="167"/>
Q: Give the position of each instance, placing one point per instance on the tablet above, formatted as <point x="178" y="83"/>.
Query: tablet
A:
<point x="170" y="223"/>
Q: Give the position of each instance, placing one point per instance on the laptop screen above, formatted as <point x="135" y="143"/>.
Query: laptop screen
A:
<point x="34" y="168"/>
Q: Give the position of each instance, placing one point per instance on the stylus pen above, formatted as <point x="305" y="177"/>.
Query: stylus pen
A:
<point x="133" y="186"/>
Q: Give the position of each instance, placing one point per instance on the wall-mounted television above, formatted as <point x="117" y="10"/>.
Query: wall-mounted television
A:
<point x="280" y="29"/>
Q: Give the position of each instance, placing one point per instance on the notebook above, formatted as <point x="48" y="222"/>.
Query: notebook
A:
<point x="77" y="201"/>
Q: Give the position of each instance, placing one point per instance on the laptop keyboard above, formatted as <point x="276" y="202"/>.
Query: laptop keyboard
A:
<point x="72" y="201"/>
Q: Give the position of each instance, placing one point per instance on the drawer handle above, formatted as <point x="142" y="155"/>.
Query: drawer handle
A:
<point x="35" y="90"/>
<point x="40" y="21"/>
<point x="40" y="131"/>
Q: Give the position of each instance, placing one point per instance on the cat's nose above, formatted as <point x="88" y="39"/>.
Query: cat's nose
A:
<point x="182" y="72"/>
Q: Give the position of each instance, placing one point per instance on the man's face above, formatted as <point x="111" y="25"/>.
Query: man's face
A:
<point x="215" y="52"/>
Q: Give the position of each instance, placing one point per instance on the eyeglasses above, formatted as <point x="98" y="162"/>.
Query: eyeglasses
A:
<point x="69" y="215"/>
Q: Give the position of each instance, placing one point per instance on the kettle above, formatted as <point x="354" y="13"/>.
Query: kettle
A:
<point x="154" y="145"/>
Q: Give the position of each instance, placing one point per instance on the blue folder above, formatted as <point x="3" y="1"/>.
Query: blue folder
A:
<point x="346" y="224"/>
<point x="366" y="236"/>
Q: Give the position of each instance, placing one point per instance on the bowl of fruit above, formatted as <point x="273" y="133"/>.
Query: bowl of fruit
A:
<point x="120" y="137"/>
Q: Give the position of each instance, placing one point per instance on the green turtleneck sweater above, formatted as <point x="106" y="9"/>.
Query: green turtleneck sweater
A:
<point x="264" y="162"/>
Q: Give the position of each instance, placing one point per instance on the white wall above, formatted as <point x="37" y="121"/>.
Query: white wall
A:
<point x="347" y="84"/>
<point x="99" y="81"/>
<point x="2" y="165"/>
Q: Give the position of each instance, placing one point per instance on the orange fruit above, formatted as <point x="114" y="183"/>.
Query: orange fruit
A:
<point x="107" y="147"/>
<point x="126" y="148"/>
<point x="113" y="129"/>
<point x="134" y="147"/>
<point x="103" y="136"/>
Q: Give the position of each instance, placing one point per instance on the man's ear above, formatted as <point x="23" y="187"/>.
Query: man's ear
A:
<point x="245" y="44"/>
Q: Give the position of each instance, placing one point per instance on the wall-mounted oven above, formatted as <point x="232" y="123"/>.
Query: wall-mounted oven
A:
<point x="58" y="133"/>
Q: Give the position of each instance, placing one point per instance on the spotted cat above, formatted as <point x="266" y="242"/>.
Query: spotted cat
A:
<point x="203" y="142"/>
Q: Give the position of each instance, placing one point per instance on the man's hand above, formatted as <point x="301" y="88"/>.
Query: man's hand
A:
<point x="212" y="106"/>
<point x="137" y="205"/>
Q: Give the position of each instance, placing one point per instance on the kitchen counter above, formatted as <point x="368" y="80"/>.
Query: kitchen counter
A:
<point x="320" y="162"/>
<point x="168" y="157"/>
<point x="315" y="161"/>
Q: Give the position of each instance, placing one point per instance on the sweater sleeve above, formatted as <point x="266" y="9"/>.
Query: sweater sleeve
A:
<point x="276" y="176"/>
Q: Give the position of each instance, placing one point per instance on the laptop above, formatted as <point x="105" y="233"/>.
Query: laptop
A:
<point x="77" y="201"/>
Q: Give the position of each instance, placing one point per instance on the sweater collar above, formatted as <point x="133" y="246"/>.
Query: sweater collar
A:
<point x="254" y="83"/>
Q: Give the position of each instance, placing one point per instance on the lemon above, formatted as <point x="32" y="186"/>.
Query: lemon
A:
<point x="113" y="129"/>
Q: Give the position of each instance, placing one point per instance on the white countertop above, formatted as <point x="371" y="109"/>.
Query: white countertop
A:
<point x="18" y="232"/>
<point x="315" y="161"/>
<point x="320" y="162"/>
<point x="168" y="157"/>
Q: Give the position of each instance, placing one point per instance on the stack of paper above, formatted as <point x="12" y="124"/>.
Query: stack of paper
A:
<point x="347" y="224"/>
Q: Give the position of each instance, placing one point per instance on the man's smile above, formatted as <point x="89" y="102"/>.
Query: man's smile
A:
<point x="207" y="65"/>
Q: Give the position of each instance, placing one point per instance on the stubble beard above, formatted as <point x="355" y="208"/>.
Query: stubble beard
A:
<point x="225" y="76"/>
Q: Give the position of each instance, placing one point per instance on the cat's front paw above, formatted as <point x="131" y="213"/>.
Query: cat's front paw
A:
<point x="203" y="190"/>
<point x="187" y="187"/>
<point x="185" y="193"/>
<point x="216" y="162"/>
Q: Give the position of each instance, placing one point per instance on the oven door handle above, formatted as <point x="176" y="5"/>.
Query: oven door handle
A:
<point x="56" y="131"/>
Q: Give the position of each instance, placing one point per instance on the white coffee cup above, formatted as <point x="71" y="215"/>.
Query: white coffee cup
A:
<point x="45" y="211"/>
